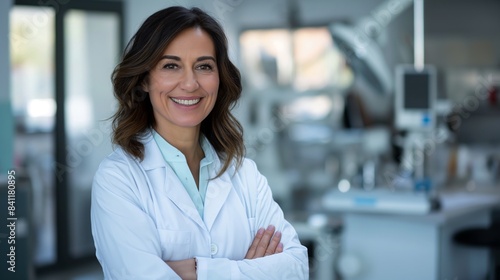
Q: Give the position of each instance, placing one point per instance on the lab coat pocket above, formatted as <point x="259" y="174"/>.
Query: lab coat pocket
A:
<point x="175" y="244"/>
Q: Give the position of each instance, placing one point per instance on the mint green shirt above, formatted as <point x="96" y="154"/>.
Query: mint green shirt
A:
<point x="177" y="161"/>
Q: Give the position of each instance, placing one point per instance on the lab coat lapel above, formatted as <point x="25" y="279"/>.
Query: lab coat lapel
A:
<point x="179" y="196"/>
<point x="172" y="186"/>
<point x="218" y="189"/>
<point x="217" y="193"/>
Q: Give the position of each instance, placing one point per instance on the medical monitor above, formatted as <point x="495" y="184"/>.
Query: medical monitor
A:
<point x="415" y="98"/>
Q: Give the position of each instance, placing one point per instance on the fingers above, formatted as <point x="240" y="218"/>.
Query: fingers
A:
<point x="253" y="248"/>
<point x="186" y="269"/>
<point x="279" y="249"/>
<point x="273" y="245"/>
<point x="265" y="243"/>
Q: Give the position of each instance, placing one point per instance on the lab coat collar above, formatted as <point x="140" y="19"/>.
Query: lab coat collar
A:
<point x="218" y="188"/>
<point x="178" y="195"/>
<point x="152" y="155"/>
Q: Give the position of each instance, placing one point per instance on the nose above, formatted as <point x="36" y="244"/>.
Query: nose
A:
<point x="189" y="82"/>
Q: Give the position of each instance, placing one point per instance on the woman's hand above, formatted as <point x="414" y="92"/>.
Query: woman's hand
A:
<point x="265" y="243"/>
<point x="185" y="268"/>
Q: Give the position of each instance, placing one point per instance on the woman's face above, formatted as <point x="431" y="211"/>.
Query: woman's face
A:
<point x="183" y="85"/>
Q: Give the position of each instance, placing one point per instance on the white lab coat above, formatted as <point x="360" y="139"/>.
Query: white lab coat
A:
<point x="142" y="216"/>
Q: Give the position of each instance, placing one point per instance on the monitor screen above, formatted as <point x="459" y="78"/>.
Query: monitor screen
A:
<point x="415" y="97"/>
<point x="416" y="91"/>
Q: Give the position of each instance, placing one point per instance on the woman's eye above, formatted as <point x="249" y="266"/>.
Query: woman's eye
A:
<point x="170" y="66"/>
<point x="205" y="67"/>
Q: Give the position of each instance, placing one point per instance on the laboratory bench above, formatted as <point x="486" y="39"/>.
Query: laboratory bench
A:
<point x="386" y="244"/>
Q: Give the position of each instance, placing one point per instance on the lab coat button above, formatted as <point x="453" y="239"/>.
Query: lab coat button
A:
<point x="213" y="249"/>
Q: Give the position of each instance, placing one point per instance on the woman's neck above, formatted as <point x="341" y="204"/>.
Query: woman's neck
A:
<point x="185" y="140"/>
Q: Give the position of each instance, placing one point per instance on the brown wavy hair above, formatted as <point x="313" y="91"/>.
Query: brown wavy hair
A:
<point x="134" y="116"/>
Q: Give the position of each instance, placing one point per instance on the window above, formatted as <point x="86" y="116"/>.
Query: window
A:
<point x="304" y="59"/>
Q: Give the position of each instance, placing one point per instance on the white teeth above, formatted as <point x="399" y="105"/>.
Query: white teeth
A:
<point x="186" y="102"/>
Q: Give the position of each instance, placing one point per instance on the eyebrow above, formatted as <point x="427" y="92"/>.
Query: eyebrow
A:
<point x="176" y="58"/>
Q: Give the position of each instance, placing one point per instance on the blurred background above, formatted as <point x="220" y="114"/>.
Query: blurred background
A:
<point x="377" y="124"/>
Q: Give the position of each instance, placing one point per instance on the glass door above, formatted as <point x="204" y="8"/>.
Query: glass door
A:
<point x="92" y="49"/>
<point x="32" y="46"/>
<point x="62" y="57"/>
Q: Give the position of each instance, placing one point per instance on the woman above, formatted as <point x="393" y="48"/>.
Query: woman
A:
<point x="177" y="199"/>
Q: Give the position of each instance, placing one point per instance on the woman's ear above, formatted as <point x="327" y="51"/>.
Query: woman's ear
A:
<point x="145" y="85"/>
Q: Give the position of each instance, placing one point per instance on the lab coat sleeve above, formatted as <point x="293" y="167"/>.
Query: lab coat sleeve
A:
<point x="291" y="264"/>
<point x="126" y="240"/>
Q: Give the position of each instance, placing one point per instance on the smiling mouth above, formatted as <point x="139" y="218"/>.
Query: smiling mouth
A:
<point x="186" y="102"/>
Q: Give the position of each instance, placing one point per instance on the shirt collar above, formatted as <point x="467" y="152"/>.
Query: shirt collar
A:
<point x="171" y="154"/>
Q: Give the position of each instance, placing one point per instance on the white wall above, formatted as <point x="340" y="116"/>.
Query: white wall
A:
<point x="136" y="12"/>
<point x="6" y="119"/>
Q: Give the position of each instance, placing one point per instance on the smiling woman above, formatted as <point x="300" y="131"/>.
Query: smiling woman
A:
<point x="147" y="50"/>
<point x="177" y="199"/>
<point x="183" y="85"/>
